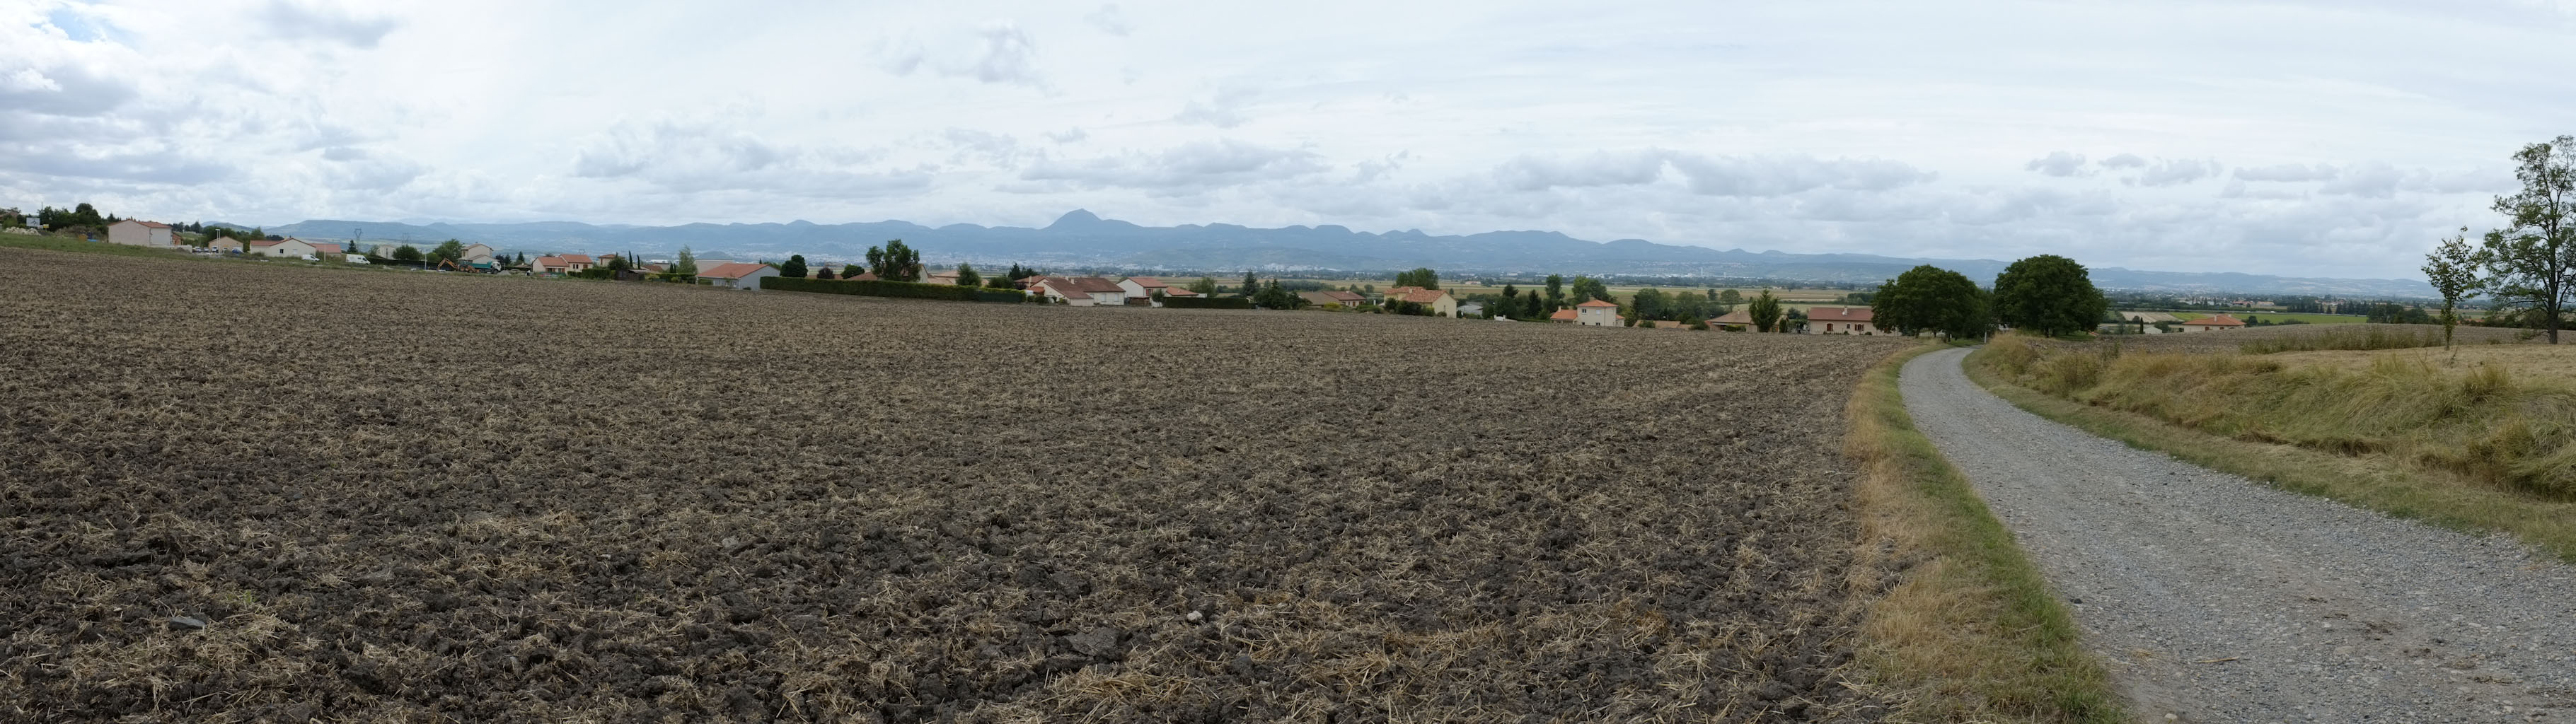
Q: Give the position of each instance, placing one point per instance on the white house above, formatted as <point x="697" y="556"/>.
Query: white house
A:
<point x="737" y="275"/>
<point x="140" y="233"/>
<point x="1841" y="320"/>
<point x="1144" y="288"/>
<point x="289" y="247"/>
<point x="1596" y="313"/>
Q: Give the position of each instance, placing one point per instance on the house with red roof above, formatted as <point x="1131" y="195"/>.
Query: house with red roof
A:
<point x="289" y="247"/>
<point x="2211" y="323"/>
<point x="1841" y="320"/>
<point x="1146" y="288"/>
<point x="141" y="233"/>
<point x="1596" y="313"/>
<point x="1438" y="301"/>
<point x="738" y="275"/>
<point x="1080" y="291"/>
<point x="1735" y="321"/>
<point x="1565" y="315"/>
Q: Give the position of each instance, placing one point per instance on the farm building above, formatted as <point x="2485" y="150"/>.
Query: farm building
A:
<point x="737" y="276"/>
<point x="1737" y="321"/>
<point x="289" y="247"/>
<point x="2212" y="323"/>
<point x="1081" y="291"/>
<point x="1439" y="302"/>
<point x="140" y="233"/>
<point x="1840" y="320"/>
<point x="1596" y="313"/>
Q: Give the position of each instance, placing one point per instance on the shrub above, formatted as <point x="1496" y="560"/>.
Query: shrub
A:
<point x="1207" y="303"/>
<point x="905" y="290"/>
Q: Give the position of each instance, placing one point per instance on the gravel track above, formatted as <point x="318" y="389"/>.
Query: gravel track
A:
<point x="2217" y="599"/>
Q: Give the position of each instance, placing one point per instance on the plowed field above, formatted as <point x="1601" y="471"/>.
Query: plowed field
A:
<point x="253" y="493"/>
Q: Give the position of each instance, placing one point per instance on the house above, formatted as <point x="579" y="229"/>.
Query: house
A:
<point x="948" y="278"/>
<point x="1081" y="291"/>
<point x="1840" y="320"/>
<point x="2149" y="317"/>
<point x="1566" y="315"/>
<point x="737" y="275"/>
<point x="1735" y="321"/>
<point x="322" y="249"/>
<point x="1439" y="302"/>
<point x="289" y="247"/>
<point x="1471" y="309"/>
<point x="140" y="233"/>
<point x="1146" y="288"/>
<point x="578" y="262"/>
<point x="1596" y="313"/>
<point x="225" y="243"/>
<point x="1347" y="299"/>
<point x="1318" y="298"/>
<point x="2212" y="323"/>
<point x="551" y="264"/>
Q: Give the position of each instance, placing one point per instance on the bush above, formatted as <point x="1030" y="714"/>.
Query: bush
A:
<point x="1207" y="303"/>
<point x="905" y="290"/>
<point x="597" y="272"/>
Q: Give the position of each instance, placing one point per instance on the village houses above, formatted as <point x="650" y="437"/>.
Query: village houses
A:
<point x="1840" y="320"/>
<point x="2211" y="323"/>
<point x="1439" y="302"/>
<point x="1080" y="291"/>
<point x="1596" y="313"/>
<point x="736" y="275"/>
<point x="1145" y="288"/>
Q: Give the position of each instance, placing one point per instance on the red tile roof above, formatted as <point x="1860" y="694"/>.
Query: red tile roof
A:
<point x="1061" y="286"/>
<point x="1735" y="317"/>
<point x="2217" y="320"/>
<point x="1097" y="285"/>
<point x="1423" y="296"/>
<point x="1149" y="283"/>
<point x="1596" y="304"/>
<point x="1348" y="298"/>
<point x="580" y="259"/>
<point x="1561" y="315"/>
<point x="736" y="270"/>
<point x="150" y="224"/>
<point x="546" y="261"/>
<point x="326" y="248"/>
<point x="1178" y="292"/>
<point x="1839" y="314"/>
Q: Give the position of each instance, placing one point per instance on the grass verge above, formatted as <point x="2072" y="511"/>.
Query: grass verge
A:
<point x="1966" y="629"/>
<point x="2427" y="485"/>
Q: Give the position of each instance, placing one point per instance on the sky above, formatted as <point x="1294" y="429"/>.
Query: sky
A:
<point x="2306" y="139"/>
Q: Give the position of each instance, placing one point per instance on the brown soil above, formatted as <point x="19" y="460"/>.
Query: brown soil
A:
<point x="415" y="497"/>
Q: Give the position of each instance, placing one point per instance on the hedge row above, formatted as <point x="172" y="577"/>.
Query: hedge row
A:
<point x="1207" y="302"/>
<point x="908" y="290"/>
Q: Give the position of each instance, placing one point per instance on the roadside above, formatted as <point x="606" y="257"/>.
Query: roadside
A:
<point x="2214" y="598"/>
<point x="1960" y="626"/>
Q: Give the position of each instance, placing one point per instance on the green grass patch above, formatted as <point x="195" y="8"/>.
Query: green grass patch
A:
<point x="50" y="242"/>
<point x="1967" y="630"/>
<point x="2476" y="451"/>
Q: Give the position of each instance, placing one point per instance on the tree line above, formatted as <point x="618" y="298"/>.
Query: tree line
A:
<point x="2526" y="268"/>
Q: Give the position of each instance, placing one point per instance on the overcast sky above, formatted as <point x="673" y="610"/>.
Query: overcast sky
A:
<point x="2324" y="139"/>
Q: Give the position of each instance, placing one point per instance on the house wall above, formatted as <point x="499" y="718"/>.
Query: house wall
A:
<point x="133" y="234"/>
<point x="288" y="249"/>
<point x="1597" y="317"/>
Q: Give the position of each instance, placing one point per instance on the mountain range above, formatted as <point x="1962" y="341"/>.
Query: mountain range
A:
<point x="1081" y="239"/>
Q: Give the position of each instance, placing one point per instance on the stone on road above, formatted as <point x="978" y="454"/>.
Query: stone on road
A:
<point x="2216" y="599"/>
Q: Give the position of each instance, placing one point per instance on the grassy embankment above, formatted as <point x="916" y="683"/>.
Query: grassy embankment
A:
<point x="1968" y="630"/>
<point x="2277" y="317"/>
<point x="2470" y="446"/>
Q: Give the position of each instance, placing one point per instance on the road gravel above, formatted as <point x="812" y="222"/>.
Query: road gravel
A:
<point x="2214" y="598"/>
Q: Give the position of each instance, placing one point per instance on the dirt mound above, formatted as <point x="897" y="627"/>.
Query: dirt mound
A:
<point x="277" y="493"/>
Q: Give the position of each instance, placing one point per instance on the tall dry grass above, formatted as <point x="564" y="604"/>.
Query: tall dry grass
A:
<point x="1965" y="630"/>
<point x="2484" y="422"/>
<point x="2373" y="337"/>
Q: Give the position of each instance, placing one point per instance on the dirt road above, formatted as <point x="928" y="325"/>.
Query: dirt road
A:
<point x="2217" y="599"/>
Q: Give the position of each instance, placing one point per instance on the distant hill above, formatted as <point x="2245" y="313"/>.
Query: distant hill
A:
<point x="1083" y="239"/>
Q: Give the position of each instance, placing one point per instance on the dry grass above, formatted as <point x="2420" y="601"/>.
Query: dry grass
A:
<point x="1966" y="630"/>
<point x="2479" y="446"/>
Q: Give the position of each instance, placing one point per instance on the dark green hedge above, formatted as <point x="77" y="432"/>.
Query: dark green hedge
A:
<point x="1207" y="302"/>
<point x="908" y="290"/>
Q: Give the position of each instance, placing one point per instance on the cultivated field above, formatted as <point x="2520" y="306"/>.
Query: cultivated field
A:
<point x="265" y="493"/>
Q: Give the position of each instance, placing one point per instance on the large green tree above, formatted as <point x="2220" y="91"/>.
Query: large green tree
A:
<point x="1422" y="277"/>
<point x="2049" y="295"/>
<point x="687" y="264"/>
<point x="794" y="268"/>
<point x="447" y="251"/>
<point x="895" y="262"/>
<point x="1648" y="303"/>
<point x="1765" y="311"/>
<point x="1205" y="287"/>
<point x="1586" y="289"/>
<point x="2530" y="264"/>
<point x="1931" y="299"/>
<point x="966" y="276"/>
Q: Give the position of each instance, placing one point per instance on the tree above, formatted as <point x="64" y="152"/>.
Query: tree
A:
<point x="966" y="276"/>
<point x="1730" y="298"/>
<point x="2530" y="264"/>
<point x="407" y="254"/>
<point x="1765" y="311"/>
<point x="1422" y="277"/>
<point x="895" y="262"/>
<point x="1648" y="303"/>
<point x="1534" y="307"/>
<point x="1585" y="289"/>
<point x="1273" y="296"/>
<point x="1930" y="299"/>
<point x="794" y="268"/>
<point x="1205" y="287"/>
<point x="687" y="263"/>
<point x="2452" y="268"/>
<point x="2049" y="295"/>
<point x="824" y="271"/>
<point x="999" y="283"/>
<point x="1555" y="288"/>
<point x="618" y="263"/>
<point x="1250" y="285"/>
<point x="447" y="251"/>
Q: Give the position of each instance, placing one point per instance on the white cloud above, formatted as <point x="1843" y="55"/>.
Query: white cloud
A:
<point x="2059" y="163"/>
<point x="1109" y="20"/>
<point x="326" y="21"/>
<point x="2287" y="172"/>
<point x="2170" y="172"/>
<point x="1188" y="167"/>
<point x="2125" y="160"/>
<point x="998" y="52"/>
